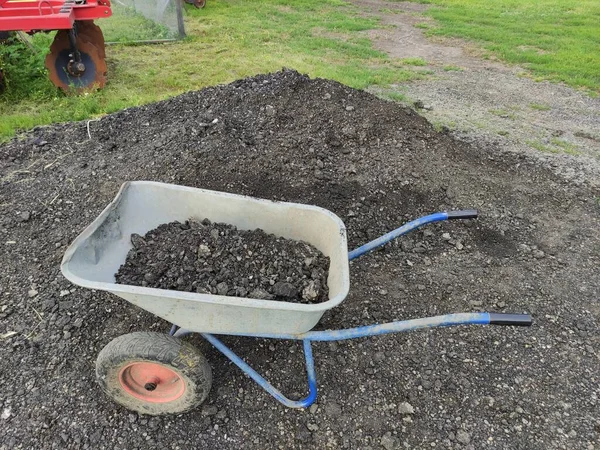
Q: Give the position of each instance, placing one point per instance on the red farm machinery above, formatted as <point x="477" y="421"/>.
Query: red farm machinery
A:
<point x="76" y="60"/>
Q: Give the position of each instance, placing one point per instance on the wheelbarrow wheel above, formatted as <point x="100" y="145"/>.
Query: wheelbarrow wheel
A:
<point x="153" y="373"/>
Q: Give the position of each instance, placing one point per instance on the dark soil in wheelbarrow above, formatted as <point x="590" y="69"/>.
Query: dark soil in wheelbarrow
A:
<point x="535" y="248"/>
<point x="217" y="258"/>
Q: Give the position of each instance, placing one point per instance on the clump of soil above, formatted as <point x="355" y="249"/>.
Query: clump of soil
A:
<point x="217" y="258"/>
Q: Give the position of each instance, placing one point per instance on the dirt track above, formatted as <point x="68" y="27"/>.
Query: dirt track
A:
<point x="536" y="249"/>
<point x="489" y="103"/>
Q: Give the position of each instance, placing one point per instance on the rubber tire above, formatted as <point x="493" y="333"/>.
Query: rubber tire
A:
<point x="180" y="356"/>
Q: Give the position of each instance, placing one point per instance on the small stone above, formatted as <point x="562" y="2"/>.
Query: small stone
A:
<point x="406" y="245"/>
<point x="421" y="287"/>
<point x="5" y="413"/>
<point x="539" y="254"/>
<point x="383" y="292"/>
<point x="312" y="427"/>
<point x="66" y="335"/>
<point x="65" y="292"/>
<point x="32" y="293"/>
<point x="379" y="356"/>
<point x="63" y="306"/>
<point x="283" y="289"/>
<point x="501" y="304"/>
<point x="137" y="241"/>
<point x="310" y="292"/>
<point x="349" y="108"/>
<point x="405" y="408"/>
<point x="446" y="236"/>
<point x="388" y="441"/>
<point x="25" y="216"/>
<point x="222" y="414"/>
<point x="459" y="246"/>
<point x="209" y="410"/>
<point x="260" y="294"/>
<point x="313" y="408"/>
<point x="270" y="110"/>
<point x="222" y="288"/>
<point x="333" y="409"/>
<point x="214" y="233"/>
<point x="463" y="437"/>
<point x="525" y="248"/>
<point x="327" y="96"/>
<point x="78" y="322"/>
<point x="203" y="250"/>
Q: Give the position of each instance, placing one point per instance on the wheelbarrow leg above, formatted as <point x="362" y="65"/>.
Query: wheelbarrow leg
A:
<point x="310" y="372"/>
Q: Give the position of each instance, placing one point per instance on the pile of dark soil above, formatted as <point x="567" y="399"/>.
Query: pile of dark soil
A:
<point x="535" y="248"/>
<point x="217" y="258"/>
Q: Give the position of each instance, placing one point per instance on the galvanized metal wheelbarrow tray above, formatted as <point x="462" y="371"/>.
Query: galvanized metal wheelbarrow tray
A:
<point x="98" y="252"/>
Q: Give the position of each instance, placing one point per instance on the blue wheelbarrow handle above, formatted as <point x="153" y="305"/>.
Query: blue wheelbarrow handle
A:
<point x="437" y="217"/>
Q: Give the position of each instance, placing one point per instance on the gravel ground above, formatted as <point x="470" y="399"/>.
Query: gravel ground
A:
<point x="535" y="249"/>
<point x="217" y="258"/>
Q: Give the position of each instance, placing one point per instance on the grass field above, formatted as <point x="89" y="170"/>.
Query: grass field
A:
<point x="556" y="40"/>
<point x="227" y="40"/>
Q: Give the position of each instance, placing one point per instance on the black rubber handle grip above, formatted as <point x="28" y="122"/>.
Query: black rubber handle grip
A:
<point x="519" y="320"/>
<point x="464" y="214"/>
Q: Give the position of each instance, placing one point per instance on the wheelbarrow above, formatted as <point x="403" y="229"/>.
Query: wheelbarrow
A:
<point x="158" y="373"/>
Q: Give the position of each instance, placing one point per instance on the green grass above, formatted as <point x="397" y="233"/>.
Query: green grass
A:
<point x="504" y="113"/>
<point x="413" y="61"/>
<point x="557" y="40"/>
<point x="453" y="68"/>
<point x="539" y="107"/>
<point x="395" y="96"/>
<point x="538" y="145"/>
<point x="565" y="146"/>
<point x="228" y="40"/>
<point x="554" y="146"/>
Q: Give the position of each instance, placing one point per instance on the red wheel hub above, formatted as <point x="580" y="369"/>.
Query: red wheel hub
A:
<point x="152" y="382"/>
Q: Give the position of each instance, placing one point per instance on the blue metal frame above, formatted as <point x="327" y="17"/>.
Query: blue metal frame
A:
<point x="447" y="320"/>
<point x="310" y="372"/>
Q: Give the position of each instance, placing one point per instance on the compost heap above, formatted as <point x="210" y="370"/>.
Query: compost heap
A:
<point x="217" y="258"/>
